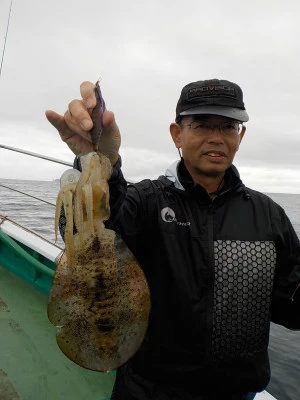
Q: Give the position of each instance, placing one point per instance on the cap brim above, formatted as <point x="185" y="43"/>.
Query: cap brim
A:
<point x="230" y="112"/>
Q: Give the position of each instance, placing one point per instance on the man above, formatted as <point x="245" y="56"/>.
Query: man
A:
<point x="221" y="260"/>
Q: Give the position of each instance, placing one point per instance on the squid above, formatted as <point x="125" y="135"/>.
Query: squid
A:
<point x="100" y="298"/>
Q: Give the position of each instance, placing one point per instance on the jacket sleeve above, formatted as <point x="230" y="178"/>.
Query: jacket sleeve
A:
<point x="129" y="206"/>
<point x="285" y="309"/>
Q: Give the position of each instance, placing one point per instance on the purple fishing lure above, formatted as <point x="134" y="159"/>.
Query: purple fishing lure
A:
<point x="97" y="118"/>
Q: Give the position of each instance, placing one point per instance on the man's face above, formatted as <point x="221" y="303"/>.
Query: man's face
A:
<point x="207" y="149"/>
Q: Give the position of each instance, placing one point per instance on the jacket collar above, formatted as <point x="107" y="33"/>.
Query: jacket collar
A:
<point x="179" y="175"/>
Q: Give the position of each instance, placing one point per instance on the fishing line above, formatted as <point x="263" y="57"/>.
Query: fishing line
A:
<point x="5" y="37"/>
<point x="26" y="194"/>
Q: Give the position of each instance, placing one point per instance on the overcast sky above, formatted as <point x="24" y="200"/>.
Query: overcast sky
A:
<point x="145" y="52"/>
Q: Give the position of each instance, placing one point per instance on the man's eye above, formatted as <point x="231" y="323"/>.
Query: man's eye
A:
<point x="203" y="125"/>
<point x="232" y="127"/>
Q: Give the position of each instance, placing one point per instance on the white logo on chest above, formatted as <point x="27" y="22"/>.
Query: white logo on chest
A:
<point x="168" y="215"/>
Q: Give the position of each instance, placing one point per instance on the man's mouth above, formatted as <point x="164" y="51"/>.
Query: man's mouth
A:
<point x="217" y="154"/>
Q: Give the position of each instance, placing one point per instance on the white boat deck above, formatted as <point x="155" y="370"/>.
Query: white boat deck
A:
<point x="29" y="238"/>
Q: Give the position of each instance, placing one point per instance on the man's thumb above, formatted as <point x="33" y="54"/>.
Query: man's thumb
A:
<point x="56" y="120"/>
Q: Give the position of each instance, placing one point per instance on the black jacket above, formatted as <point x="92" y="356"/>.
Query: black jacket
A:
<point x="219" y="271"/>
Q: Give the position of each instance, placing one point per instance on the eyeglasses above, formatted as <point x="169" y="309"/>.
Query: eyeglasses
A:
<point x="205" y="128"/>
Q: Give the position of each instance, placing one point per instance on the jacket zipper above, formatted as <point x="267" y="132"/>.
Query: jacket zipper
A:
<point x="211" y="278"/>
<point x="292" y="298"/>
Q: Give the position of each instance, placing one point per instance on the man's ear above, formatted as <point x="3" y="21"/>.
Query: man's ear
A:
<point x="175" y="131"/>
<point x="242" y="134"/>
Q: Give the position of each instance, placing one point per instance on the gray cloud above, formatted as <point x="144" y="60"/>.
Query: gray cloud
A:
<point x="145" y="52"/>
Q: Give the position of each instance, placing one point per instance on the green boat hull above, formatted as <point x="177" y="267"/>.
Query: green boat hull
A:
<point x="27" y="263"/>
<point x="32" y="367"/>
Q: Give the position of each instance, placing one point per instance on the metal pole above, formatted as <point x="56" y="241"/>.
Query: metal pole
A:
<point x="29" y="153"/>
<point x="26" y="194"/>
<point x="5" y="37"/>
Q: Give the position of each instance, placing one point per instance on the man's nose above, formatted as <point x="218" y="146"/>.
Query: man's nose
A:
<point x="216" y="134"/>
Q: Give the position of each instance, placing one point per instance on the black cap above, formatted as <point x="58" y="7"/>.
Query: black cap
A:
<point x="213" y="96"/>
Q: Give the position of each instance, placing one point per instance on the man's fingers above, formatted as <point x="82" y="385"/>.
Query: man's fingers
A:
<point x="78" y="114"/>
<point x="108" y="118"/>
<point x="59" y="123"/>
<point x="75" y="125"/>
<point x="88" y="94"/>
<point x="77" y="119"/>
<point x="56" y="120"/>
